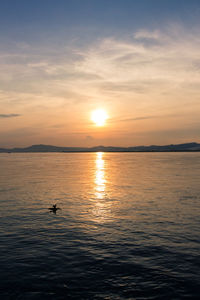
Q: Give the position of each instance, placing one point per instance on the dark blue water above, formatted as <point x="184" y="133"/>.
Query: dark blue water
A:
<point x="128" y="228"/>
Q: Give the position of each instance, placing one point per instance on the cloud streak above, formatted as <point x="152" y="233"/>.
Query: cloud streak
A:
<point x="132" y="119"/>
<point x="4" y="116"/>
<point x="144" y="75"/>
<point x="142" y="62"/>
<point x="149" y="61"/>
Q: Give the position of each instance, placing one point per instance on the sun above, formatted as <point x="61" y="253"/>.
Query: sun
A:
<point x="99" y="117"/>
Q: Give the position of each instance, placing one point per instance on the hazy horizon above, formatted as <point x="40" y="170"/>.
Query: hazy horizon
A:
<point x="96" y="146"/>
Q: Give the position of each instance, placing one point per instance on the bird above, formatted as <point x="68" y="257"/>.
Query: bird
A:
<point x="54" y="208"/>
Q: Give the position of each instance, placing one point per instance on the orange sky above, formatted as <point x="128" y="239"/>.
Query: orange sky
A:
<point x="147" y="80"/>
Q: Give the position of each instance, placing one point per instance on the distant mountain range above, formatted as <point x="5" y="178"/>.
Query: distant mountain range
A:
<point x="152" y="148"/>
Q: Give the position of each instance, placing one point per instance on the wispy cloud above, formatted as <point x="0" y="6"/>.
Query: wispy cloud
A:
<point x="149" y="35"/>
<point x="140" y="118"/>
<point x="169" y="61"/>
<point x="112" y="120"/>
<point x="145" y="61"/>
<point x="9" y="115"/>
<point x="144" y="75"/>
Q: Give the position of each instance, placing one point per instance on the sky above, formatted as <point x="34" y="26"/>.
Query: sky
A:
<point x="139" y="60"/>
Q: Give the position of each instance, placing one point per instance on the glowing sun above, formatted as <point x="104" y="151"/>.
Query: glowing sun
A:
<point x="99" y="117"/>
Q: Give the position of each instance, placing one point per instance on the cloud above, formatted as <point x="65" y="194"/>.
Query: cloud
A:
<point x="133" y="65"/>
<point x="9" y="115"/>
<point x="89" y="138"/>
<point x="145" y="34"/>
<point x="138" y="118"/>
<point x="142" y="75"/>
<point x="132" y="119"/>
<point x="143" y="62"/>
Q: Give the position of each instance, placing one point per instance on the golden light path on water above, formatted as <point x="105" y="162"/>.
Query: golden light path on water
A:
<point x="100" y="181"/>
<point x="101" y="209"/>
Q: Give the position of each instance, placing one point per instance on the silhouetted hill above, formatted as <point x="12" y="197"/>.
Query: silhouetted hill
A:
<point x="152" y="148"/>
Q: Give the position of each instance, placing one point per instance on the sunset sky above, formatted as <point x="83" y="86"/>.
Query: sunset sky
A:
<point x="136" y="60"/>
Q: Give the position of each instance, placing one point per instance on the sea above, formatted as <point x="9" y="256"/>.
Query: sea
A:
<point x="128" y="226"/>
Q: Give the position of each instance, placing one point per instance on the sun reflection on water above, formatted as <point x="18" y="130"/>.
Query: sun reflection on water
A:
<point x="100" y="181"/>
<point x="101" y="207"/>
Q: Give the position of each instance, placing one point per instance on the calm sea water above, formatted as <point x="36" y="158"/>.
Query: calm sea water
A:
<point x="129" y="226"/>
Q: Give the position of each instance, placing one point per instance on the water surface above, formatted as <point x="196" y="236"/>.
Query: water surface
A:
<point x="129" y="226"/>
